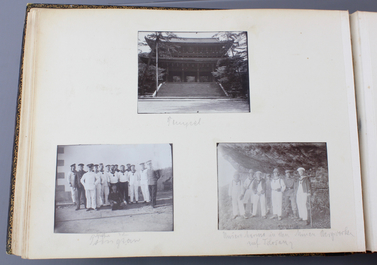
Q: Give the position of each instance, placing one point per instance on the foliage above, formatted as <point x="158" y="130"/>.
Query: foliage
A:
<point x="155" y="40"/>
<point x="232" y="70"/>
<point x="149" y="85"/>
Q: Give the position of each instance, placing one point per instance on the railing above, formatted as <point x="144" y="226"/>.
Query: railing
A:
<point x="158" y="88"/>
<point x="226" y="93"/>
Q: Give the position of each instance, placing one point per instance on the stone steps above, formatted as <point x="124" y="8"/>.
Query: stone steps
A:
<point x="191" y="90"/>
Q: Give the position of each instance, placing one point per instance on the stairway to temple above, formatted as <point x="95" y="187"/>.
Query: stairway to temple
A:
<point x="191" y="90"/>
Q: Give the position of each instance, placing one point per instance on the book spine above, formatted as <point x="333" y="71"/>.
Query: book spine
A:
<point x="11" y="207"/>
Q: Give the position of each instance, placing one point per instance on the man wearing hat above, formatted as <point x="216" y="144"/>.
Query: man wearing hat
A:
<point x="248" y="192"/>
<point x="134" y="184"/>
<point x="123" y="184"/>
<point x="259" y="194"/>
<point x="89" y="181"/>
<point x="99" y="201"/>
<point x="303" y="193"/>
<point x="71" y="177"/>
<point x="289" y="195"/>
<point x="80" y="191"/>
<point x="152" y="183"/>
<point x="113" y="177"/>
<point x="104" y="177"/>
<point x="277" y="189"/>
<point x="144" y="183"/>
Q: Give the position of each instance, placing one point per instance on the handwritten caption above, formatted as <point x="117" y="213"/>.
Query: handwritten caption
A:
<point x="120" y="239"/>
<point x="185" y="124"/>
<point x="283" y="238"/>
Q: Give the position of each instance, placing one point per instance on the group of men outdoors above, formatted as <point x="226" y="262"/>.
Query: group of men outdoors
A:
<point x="116" y="187"/>
<point x="272" y="193"/>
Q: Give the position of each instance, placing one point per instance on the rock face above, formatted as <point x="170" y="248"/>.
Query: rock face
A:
<point x="267" y="156"/>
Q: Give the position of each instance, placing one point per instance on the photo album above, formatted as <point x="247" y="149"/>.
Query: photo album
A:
<point x="163" y="132"/>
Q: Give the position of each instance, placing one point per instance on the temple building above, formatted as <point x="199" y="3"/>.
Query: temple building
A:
<point x="189" y="60"/>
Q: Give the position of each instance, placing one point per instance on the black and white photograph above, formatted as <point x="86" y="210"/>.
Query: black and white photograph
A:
<point x="273" y="186"/>
<point x="114" y="188"/>
<point x="193" y="72"/>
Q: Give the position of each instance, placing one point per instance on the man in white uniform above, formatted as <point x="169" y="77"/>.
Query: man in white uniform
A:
<point x="71" y="177"/>
<point x="134" y="184"/>
<point x="277" y="189"/>
<point x="259" y="194"/>
<point x="99" y="202"/>
<point x="248" y="193"/>
<point x="235" y="190"/>
<point x="104" y="179"/>
<point x="113" y="177"/>
<point x="303" y="194"/>
<point x="89" y="180"/>
<point x="123" y="184"/>
<point x="144" y="183"/>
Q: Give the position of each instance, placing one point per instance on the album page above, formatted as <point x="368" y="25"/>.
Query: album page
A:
<point x="188" y="132"/>
<point x="364" y="38"/>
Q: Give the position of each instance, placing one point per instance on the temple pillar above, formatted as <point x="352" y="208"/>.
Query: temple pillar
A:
<point x="183" y="74"/>
<point x="197" y="73"/>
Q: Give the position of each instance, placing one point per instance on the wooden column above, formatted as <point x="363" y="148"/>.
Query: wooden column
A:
<point x="183" y="74"/>
<point x="197" y="73"/>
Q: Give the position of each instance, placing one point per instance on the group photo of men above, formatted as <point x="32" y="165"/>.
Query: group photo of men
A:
<point x="273" y="186"/>
<point x="132" y="195"/>
<point x="115" y="187"/>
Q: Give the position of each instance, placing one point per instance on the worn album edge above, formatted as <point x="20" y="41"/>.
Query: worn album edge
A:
<point x="15" y="143"/>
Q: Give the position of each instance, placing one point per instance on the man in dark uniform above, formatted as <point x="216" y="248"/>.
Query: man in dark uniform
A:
<point x="289" y="195"/>
<point x="80" y="188"/>
<point x="152" y="183"/>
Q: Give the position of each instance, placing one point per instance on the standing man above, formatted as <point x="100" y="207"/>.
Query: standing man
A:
<point x="259" y="194"/>
<point x="71" y="179"/>
<point x="248" y="193"/>
<point x="144" y="183"/>
<point x="123" y="184"/>
<point x="235" y="190"/>
<point x="113" y="177"/>
<point x="277" y="189"/>
<point x="99" y="202"/>
<point x="134" y="184"/>
<point x="268" y="194"/>
<point x="289" y="195"/>
<point x="89" y="181"/>
<point x="152" y="183"/>
<point x="303" y="193"/>
<point x="80" y="191"/>
<point x="104" y="179"/>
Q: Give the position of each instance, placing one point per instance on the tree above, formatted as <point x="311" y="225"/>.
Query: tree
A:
<point x="158" y="41"/>
<point x="232" y="69"/>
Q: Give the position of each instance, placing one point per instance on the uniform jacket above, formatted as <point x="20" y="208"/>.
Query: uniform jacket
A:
<point x="255" y="184"/>
<point x="79" y="175"/>
<point x="305" y="182"/>
<point x="152" y="177"/>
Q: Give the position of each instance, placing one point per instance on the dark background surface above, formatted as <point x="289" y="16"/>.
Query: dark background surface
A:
<point x="12" y="14"/>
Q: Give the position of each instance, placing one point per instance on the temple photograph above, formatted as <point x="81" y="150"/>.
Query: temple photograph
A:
<point x="114" y="188"/>
<point x="193" y="72"/>
<point x="273" y="186"/>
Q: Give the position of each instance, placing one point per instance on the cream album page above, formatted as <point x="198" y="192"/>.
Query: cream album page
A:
<point x="188" y="132"/>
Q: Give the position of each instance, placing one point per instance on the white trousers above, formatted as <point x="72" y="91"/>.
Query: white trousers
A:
<point x="90" y="198"/>
<point x="145" y="191"/>
<point x="237" y="204"/>
<point x="134" y="192"/>
<point x="277" y="201"/>
<point x="302" y="199"/>
<point x="262" y="199"/>
<point x="73" y="194"/>
<point x="99" y="201"/>
<point x="105" y="195"/>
